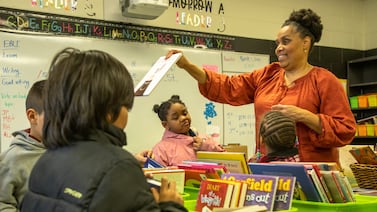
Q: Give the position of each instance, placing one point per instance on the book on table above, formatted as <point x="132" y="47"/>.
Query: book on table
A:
<point x="214" y="194"/>
<point x="304" y="183"/>
<point x="235" y="162"/>
<point x="261" y="189"/>
<point x="171" y="173"/>
<point x="195" y="172"/>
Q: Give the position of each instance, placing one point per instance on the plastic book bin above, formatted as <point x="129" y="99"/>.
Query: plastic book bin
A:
<point x="370" y="129"/>
<point x="363" y="101"/>
<point x="372" y="100"/>
<point x="354" y="102"/>
<point x="192" y="195"/>
<point x="363" y="204"/>
<point x="362" y="130"/>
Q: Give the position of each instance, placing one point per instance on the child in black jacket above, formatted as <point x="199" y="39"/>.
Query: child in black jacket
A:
<point x="88" y="96"/>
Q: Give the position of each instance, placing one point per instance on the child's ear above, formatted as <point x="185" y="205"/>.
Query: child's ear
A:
<point x="31" y="115"/>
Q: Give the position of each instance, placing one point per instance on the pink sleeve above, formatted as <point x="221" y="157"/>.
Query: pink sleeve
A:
<point x="159" y="155"/>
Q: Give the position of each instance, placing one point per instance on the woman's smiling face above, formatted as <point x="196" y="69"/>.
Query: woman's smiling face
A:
<point x="290" y="47"/>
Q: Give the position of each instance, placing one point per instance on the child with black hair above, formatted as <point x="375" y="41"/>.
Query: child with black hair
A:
<point x="278" y="133"/>
<point x="179" y="142"/>
<point x="88" y="96"/>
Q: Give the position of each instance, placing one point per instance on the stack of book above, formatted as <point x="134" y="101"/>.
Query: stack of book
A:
<point x="197" y="171"/>
<point x="318" y="182"/>
<point x="235" y="190"/>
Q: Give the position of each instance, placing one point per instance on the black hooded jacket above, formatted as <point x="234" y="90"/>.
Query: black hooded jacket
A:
<point x="94" y="174"/>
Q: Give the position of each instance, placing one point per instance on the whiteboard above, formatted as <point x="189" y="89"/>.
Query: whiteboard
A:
<point x="239" y="121"/>
<point x="25" y="59"/>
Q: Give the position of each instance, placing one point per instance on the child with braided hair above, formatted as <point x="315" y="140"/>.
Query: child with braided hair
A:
<point x="278" y="133"/>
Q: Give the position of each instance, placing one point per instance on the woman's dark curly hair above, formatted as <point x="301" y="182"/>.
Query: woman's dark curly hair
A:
<point x="307" y="23"/>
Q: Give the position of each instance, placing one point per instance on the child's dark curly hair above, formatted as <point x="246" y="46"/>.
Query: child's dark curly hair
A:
<point x="162" y="110"/>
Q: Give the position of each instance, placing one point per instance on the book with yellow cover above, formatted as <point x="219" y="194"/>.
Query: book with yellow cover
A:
<point x="235" y="162"/>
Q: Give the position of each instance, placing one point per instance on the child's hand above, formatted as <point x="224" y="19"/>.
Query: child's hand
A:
<point x="168" y="192"/>
<point x="198" y="142"/>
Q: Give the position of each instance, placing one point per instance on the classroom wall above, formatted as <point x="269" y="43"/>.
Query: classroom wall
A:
<point x="370" y="25"/>
<point x="344" y="20"/>
<point x="348" y="24"/>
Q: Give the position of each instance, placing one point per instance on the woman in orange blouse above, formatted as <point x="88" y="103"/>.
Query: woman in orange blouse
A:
<point x="312" y="96"/>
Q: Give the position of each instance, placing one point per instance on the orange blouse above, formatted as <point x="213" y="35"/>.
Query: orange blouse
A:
<point x="319" y="91"/>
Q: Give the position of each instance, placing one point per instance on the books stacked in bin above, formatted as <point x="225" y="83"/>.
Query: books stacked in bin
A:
<point x="236" y="190"/>
<point x="317" y="182"/>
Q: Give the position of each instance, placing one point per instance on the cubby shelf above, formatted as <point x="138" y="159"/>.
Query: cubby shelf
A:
<point x="362" y="79"/>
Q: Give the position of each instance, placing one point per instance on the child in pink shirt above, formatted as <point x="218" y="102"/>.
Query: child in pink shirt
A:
<point x="179" y="142"/>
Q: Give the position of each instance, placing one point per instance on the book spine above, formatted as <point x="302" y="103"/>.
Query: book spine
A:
<point x="318" y="185"/>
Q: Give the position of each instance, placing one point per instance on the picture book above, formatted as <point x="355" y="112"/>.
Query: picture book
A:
<point x="318" y="185"/>
<point x="317" y="168"/>
<point x="304" y="184"/>
<point x="364" y="155"/>
<point x="284" y="193"/>
<point x="237" y="186"/>
<point x="196" y="172"/>
<point x="345" y="186"/>
<point x="235" y="162"/>
<point x="214" y="194"/>
<point x="261" y="188"/>
<point x="211" y="166"/>
<point x="178" y="175"/>
<point x="155" y="74"/>
<point x="334" y="188"/>
<point x="151" y="163"/>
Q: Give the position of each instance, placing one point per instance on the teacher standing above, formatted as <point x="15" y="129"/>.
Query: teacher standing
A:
<point x="312" y="96"/>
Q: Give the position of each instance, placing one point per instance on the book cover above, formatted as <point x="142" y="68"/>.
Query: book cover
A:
<point x="211" y="167"/>
<point x="150" y="163"/>
<point x="155" y="74"/>
<point x="261" y="189"/>
<point x="334" y="189"/>
<point x="303" y="180"/>
<point x="284" y="193"/>
<point x="193" y="177"/>
<point x="345" y="186"/>
<point x="237" y="186"/>
<point x="317" y="183"/>
<point x="364" y="155"/>
<point x="235" y="162"/>
<point x="317" y="169"/>
<point x="214" y="194"/>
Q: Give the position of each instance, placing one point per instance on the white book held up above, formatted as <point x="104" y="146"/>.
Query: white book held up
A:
<point x="155" y="74"/>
